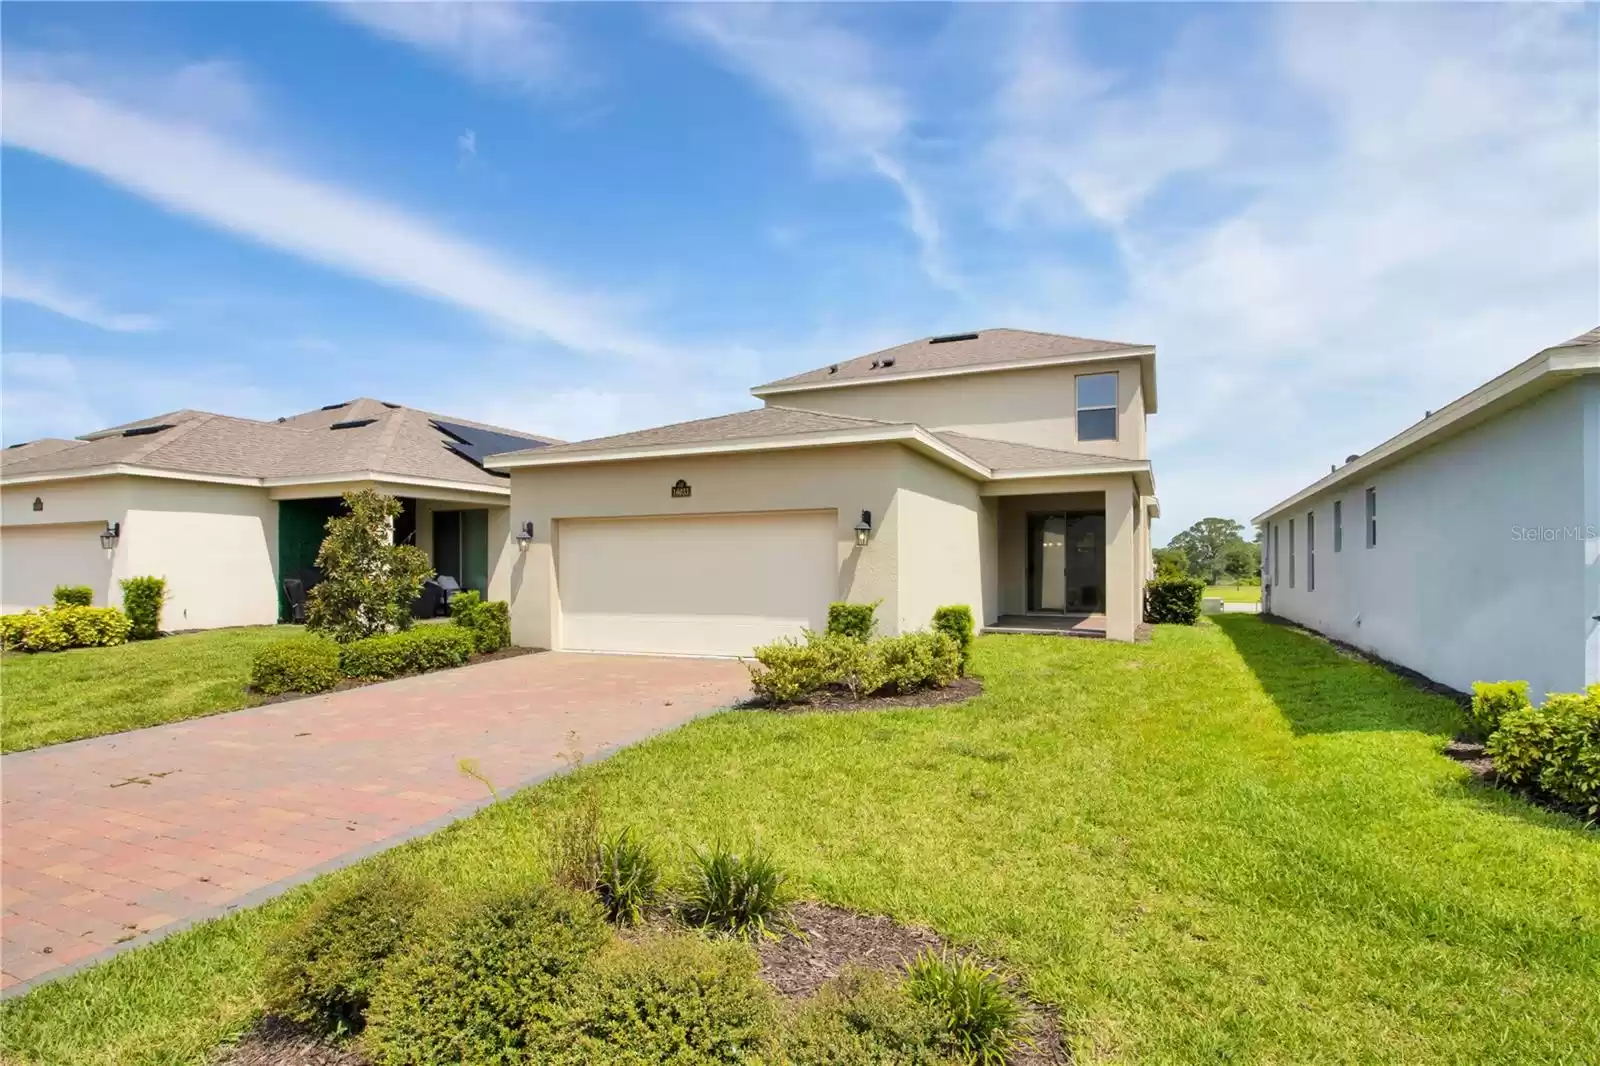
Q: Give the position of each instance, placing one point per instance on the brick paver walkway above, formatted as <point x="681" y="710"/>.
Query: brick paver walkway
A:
<point x="110" y="842"/>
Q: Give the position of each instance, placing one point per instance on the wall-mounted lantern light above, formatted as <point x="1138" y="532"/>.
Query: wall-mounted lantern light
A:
<point x="525" y="536"/>
<point x="864" y="529"/>
<point x="108" y="539"/>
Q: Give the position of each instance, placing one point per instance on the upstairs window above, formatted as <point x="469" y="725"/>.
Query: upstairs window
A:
<point x="1338" y="525"/>
<point x="1097" y="407"/>
<point x="1372" y="518"/>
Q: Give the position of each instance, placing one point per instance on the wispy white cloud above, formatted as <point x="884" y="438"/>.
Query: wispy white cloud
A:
<point x="195" y="172"/>
<point x="1411" y="203"/>
<point x="45" y="293"/>
<point x="828" y="78"/>
<point x="507" y="45"/>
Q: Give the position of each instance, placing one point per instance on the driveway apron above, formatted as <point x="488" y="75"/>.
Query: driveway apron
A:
<point x="114" y="841"/>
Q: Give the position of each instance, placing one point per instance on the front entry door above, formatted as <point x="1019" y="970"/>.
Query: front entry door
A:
<point x="1066" y="563"/>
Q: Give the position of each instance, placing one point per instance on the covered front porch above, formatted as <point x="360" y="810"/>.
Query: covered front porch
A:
<point x="1072" y="555"/>
<point x="464" y="533"/>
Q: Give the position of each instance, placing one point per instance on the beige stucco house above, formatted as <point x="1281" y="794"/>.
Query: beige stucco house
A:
<point x="1003" y="469"/>
<point x="224" y="507"/>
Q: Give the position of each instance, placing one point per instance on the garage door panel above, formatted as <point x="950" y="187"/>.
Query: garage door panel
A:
<point x="703" y="585"/>
<point x="35" y="559"/>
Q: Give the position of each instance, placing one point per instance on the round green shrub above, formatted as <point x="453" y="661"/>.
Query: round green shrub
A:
<point x="1173" y="600"/>
<point x="677" y="999"/>
<point x="861" y="1018"/>
<point x="1555" y="746"/>
<point x="296" y="664"/>
<point x="142" y="599"/>
<point x="484" y="987"/>
<point x="322" y="968"/>
<point x="74" y="596"/>
<point x="956" y="623"/>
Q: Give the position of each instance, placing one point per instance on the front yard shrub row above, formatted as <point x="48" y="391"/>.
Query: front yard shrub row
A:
<point x="1555" y="747"/>
<point x="59" y="628"/>
<point x="1492" y="699"/>
<point x="73" y="596"/>
<point x="412" y="651"/>
<point x="533" y="975"/>
<point x="142" y="599"/>
<point x="298" y="664"/>
<point x="788" y="670"/>
<point x="1173" y="600"/>
<point x="489" y="621"/>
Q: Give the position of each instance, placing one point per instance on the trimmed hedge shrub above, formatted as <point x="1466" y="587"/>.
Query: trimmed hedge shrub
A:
<point x="956" y="623"/>
<point x="142" y="599"/>
<point x="787" y="670"/>
<point x="413" y="651"/>
<point x="74" y="596"/>
<point x="1173" y="600"/>
<point x="322" y="968"/>
<point x="858" y="620"/>
<point x="296" y="664"/>
<point x="1555" y="746"/>
<point x="489" y="621"/>
<point x="674" y="999"/>
<point x="1492" y="700"/>
<point x="483" y="987"/>
<point x="861" y="1018"/>
<point x="60" y="628"/>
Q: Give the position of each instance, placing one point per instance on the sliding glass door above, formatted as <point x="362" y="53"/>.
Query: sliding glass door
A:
<point x="1066" y="563"/>
<point x="461" y="548"/>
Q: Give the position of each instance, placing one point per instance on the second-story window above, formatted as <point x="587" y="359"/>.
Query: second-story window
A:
<point x="1097" y="407"/>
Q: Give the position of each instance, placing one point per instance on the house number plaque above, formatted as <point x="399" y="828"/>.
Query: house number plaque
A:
<point x="680" y="490"/>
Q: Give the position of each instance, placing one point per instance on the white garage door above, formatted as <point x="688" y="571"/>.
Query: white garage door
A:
<point x="35" y="559"/>
<point x="704" y="585"/>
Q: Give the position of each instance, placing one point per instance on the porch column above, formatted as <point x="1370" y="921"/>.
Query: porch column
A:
<point x="1122" y="562"/>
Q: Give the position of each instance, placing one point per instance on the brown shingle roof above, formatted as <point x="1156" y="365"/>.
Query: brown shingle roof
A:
<point x="989" y="346"/>
<point x="1003" y="455"/>
<point x="399" y="442"/>
<point x="1582" y="340"/>
<point x="741" y="425"/>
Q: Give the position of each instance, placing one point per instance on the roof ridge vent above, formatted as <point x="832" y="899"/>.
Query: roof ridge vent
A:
<point x="951" y="338"/>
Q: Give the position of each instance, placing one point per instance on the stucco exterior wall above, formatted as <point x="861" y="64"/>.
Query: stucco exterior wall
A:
<point x="944" y="548"/>
<point x="846" y="479"/>
<point x="1484" y="567"/>
<point x="215" y="544"/>
<point x="1032" y="406"/>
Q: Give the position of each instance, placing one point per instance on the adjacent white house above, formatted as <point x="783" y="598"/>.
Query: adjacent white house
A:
<point x="1467" y="547"/>
<point x="224" y="508"/>
<point x="1003" y="469"/>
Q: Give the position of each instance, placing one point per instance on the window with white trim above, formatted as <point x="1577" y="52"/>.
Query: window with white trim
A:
<point x="1097" y="406"/>
<point x="1372" y="518"/>
<point x="1338" y="525"/>
<point x="1311" y="551"/>
<point x="1291" y="553"/>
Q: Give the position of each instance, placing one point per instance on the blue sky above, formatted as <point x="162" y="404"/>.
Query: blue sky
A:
<point x="582" y="219"/>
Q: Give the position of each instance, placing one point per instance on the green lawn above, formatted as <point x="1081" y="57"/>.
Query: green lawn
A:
<point x="49" y="697"/>
<point x="1234" y="593"/>
<point x="1232" y="844"/>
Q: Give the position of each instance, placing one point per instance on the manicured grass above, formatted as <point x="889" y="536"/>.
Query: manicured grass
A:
<point x="1232" y="844"/>
<point x="1234" y="593"/>
<point x="50" y="697"/>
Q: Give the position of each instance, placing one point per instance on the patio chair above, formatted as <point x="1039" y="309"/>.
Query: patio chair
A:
<point x="427" y="603"/>
<point x="450" y="589"/>
<point x="294" y="590"/>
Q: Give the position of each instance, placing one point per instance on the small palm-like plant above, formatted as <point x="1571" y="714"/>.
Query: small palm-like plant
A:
<point x="983" y="1021"/>
<point x="630" y="878"/>
<point x="732" y="893"/>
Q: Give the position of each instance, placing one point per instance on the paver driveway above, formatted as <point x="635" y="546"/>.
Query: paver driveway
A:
<point x="113" y="841"/>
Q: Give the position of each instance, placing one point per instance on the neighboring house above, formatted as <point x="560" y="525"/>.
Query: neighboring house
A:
<point x="1004" y="469"/>
<point x="1466" y="547"/>
<point x="224" y="507"/>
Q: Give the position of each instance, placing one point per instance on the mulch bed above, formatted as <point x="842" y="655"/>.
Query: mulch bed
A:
<point x="838" y="701"/>
<point x="275" y="1042"/>
<point x="824" y="941"/>
<point x="350" y="683"/>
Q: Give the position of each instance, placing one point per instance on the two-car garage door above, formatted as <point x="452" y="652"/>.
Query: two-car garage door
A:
<point x="35" y="559"/>
<point x="700" y="585"/>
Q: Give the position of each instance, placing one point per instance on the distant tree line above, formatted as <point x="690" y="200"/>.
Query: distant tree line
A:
<point x="1213" y="549"/>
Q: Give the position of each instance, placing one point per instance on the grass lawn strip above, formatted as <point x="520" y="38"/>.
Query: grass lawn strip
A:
<point x="1234" y="593"/>
<point x="51" y="697"/>
<point x="1229" y="843"/>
